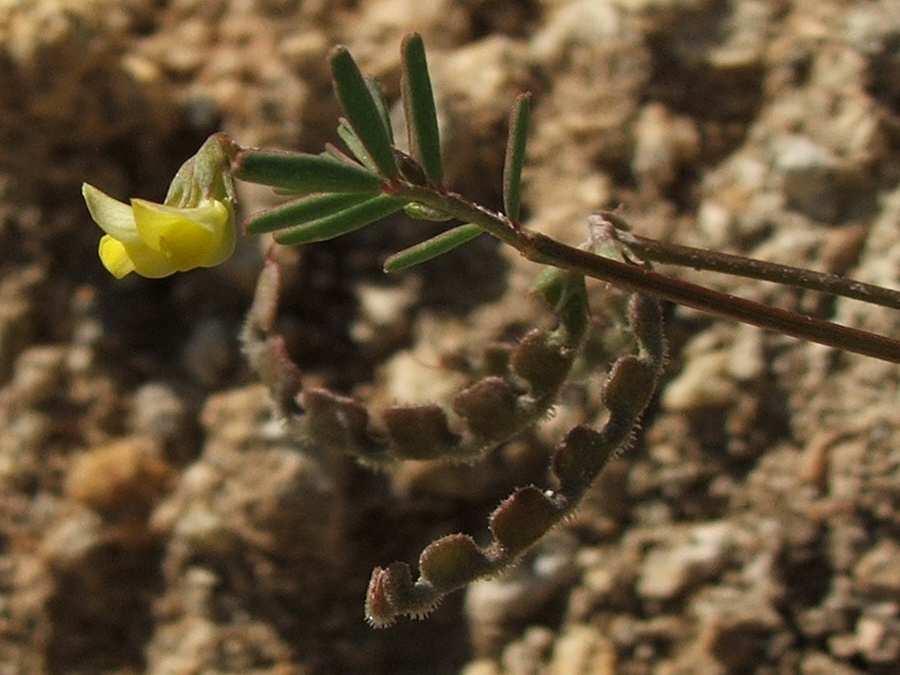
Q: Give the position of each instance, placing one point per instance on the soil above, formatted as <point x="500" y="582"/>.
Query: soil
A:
<point x="155" y="517"/>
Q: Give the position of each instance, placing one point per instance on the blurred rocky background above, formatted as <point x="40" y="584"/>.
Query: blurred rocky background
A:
<point x="156" y="518"/>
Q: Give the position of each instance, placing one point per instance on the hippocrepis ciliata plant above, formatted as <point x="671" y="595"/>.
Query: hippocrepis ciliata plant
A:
<point x="337" y="192"/>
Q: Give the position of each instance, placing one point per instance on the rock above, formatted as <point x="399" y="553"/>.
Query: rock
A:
<point x="121" y="481"/>
<point x="878" y="571"/>
<point x="496" y="606"/>
<point x="809" y="173"/>
<point x="276" y="497"/>
<point x="20" y="447"/>
<point x="162" y="413"/>
<point x="664" y="144"/>
<point x="583" y="650"/>
<point x="519" y="657"/>
<point x="210" y="351"/>
<point x="38" y="375"/>
<point x="610" y="576"/>
<point x="755" y="127"/>
<point x="735" y="627"/>
<point x="686" y="559"/>
<point x="197" y="641"/>
<point x="817" y="663"/>
<point x="482" y="667"/>
<point x="703" y="382"/>
<point x="878" y="634"/>
<point x="250" y="507"/>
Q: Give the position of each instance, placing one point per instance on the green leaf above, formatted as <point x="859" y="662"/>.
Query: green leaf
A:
<point x="418" y="105"/>
<point x="384" y="110"/>
<point x="302" y="174"/>
<point x="341" y="223"/>
<point x="362" y="111"/>
<point x="308" y="209"/>
<point x="355" y="145"/>
<point x="432" y="248"/>
<point x="515" y="156"/>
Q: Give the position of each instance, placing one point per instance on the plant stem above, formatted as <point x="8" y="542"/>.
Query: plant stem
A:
<point x="713" y="261"/>
<point x="798" y="325"/>
<point x="541" y="249"/>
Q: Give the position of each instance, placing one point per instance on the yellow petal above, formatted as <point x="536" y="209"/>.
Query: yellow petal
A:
<point x="114" y="257"/>
<point x="114" y="217"/>
<point x="122" y="259"/>
<point x="149" y="263"/>
<point x="226" y="238"/>
<point x="188" y="237"/>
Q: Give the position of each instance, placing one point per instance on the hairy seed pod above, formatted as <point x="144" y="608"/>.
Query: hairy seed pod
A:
<point x="645" y="319"/>
<point x="452" y="561"/>
<point x="577" y="458"/>
<point x="629" y="386"/>
<point x="390" y="589"/>
<point x="490" y="408"/>
<point x="523" y="518"/>
<point x="336" y="422"/>
<point x="541" y="363"/>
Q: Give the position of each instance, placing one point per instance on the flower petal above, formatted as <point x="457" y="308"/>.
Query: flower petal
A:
<point x="149" y="263"/>
<point x="114" y="257"/>
<point x="187" y="237"/>
<point x="226" y="236"/>
<point x="123" y="259"/>
<point x="114" y="217"/>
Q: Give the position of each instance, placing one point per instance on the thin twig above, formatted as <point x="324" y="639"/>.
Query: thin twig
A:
<point x="726" y="263"/>
<point x="726" y="305"/>
<point x="541" y="249"/>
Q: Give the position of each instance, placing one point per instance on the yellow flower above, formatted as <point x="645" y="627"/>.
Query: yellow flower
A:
<point x="193" y="228"/>
<point x="156" y="240"/>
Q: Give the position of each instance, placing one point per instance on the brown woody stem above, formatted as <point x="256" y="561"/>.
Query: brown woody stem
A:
<point x="751" y="268"/>
<point x="541" y="249"/>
